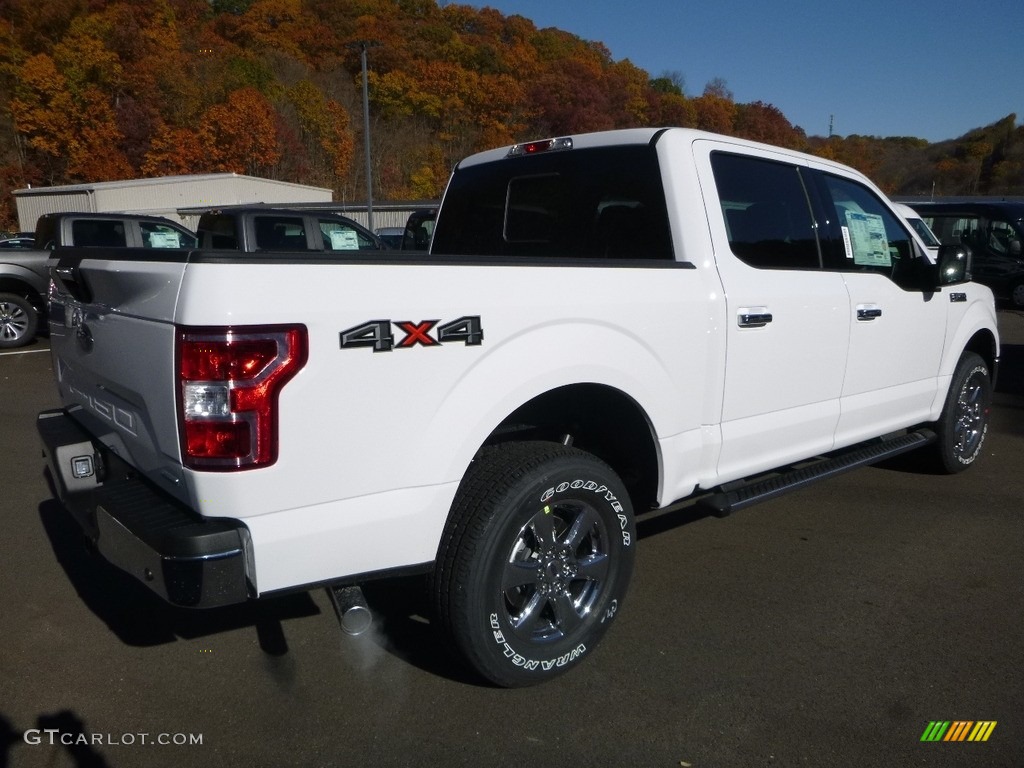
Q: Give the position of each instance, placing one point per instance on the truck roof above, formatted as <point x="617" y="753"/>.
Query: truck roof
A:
<point x="634" y="136"/>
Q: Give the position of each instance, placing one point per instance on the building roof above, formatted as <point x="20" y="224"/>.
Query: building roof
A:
<point x="159" y="180"/>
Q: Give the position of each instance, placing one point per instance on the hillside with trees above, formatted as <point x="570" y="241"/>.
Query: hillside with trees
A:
<point x="98" y="90"/>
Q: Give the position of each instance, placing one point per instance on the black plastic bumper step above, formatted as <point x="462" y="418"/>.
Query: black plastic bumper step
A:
<point x="724" y="502"/>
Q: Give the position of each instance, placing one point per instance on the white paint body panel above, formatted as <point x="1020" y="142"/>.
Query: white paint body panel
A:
<point x="362" y="432"/>
<point x="372" y="446"/>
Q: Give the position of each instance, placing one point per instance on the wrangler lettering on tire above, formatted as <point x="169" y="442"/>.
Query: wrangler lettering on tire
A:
<point x="535" y="561"/>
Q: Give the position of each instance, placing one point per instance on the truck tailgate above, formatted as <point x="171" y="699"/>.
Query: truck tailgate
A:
<point x="113" y="345"/>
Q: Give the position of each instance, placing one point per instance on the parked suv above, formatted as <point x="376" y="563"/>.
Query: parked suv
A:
<point x="994" y="231"/>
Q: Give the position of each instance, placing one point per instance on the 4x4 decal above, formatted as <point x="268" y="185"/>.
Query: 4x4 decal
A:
<point x="377" y="334"/>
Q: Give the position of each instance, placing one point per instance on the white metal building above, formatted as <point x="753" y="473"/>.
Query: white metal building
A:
<point x="161" y="196"/>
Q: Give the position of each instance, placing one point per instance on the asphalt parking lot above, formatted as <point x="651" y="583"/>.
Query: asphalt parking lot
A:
<point x="826" y="628"/>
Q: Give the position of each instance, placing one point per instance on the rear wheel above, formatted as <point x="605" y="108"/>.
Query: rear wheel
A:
<point x="964" y="421"/>
<point x="535" y="561"/>
<point x="17" y="321"/>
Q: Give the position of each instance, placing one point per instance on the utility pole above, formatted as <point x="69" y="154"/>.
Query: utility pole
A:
<point x="363" y="45"/>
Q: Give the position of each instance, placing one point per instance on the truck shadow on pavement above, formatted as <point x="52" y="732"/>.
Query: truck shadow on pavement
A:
<point x="401" y="612"/>
<point x="140" y="618"/>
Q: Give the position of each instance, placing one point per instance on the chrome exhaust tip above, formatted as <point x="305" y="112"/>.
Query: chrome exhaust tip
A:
<point x="353" y="613"/>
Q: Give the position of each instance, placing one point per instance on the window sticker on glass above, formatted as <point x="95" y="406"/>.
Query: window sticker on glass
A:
<point x="344" y="240"/>
<point x="865" y="240"/>
<point x="164" y="240"/>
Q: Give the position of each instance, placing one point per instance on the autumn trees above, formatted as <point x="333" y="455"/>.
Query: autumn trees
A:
<point x="112" y="90"/>
<point x="94" y="90"/>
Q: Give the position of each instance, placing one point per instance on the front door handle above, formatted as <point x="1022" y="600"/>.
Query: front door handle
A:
<point x="753" y="317"/>
<point x="868" y="312"/>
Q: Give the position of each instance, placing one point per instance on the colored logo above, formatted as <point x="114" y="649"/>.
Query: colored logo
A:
<point x="958" y="730"/>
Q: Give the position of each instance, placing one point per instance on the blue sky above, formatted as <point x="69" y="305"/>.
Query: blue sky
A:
<point x="933" y="70"/>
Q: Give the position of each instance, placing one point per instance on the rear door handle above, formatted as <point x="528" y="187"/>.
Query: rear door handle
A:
<point x="868" y="312"/>
<point x="753" y="317"/>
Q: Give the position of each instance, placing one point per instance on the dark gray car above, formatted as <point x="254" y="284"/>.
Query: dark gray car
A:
<point x="23" y="285"/>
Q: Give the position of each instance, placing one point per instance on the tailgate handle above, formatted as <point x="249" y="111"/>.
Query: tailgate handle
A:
<point x="70" y="280"/>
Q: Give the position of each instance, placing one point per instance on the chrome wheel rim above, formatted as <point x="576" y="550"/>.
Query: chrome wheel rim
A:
<point x="971" y="414"/>
<point x="556" y="571"/>
<point x="13" y="321"/>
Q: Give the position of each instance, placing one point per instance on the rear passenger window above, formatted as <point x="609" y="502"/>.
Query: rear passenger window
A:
<point x="98" y="233"/>
<point x="958" y="228"/>
<point x="218" y="232"/>
<point x="767" y="213"/>
<point x="280" y="233"/>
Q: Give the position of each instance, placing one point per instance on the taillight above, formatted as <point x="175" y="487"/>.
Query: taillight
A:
<point x="229" y="381"/>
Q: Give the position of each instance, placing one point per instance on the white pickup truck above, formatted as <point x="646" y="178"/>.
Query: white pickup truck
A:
<point x="605" y="324"/>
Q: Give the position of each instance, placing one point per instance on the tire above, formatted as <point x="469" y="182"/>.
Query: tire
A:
<point x="963" y="425"/>
<point x="535" y="561"/>
<point x="18" y="321"/>
<point x="1017" y="296"/>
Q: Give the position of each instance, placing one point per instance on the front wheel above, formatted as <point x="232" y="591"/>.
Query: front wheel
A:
<point x="963" y="425"/>
<point x="18" y="321"/>
<point x="535" y="561"/>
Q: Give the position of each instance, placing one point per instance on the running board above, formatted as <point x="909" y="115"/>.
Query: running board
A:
<point x="728" y="499"/>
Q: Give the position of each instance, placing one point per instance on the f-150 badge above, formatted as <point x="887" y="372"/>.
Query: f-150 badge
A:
<point x="378" y="335"/>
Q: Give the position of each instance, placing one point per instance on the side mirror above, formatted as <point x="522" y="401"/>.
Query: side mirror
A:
<point x="954" y="264"/>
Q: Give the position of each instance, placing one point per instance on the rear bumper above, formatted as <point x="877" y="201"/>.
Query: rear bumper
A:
<point x="185" y="558"/>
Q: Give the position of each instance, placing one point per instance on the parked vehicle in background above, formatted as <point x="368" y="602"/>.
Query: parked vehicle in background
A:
<point x="110" y="230"/>
<point x="419" y="230"/>
<point x="265" y="228"/>
<point x="914" y="220"/>
<point x="17" y="242"/>
<point x="24" y="274"/>
<point x="993" y="230"/>
<point x="391" y="237"/>
<point x="23" y="285"/>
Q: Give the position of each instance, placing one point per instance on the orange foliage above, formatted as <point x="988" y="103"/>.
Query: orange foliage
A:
<point x="239" y="136"/>
<point x="714" y="113"/>
<point x="41" y="106"/>
<point x="175" y="152"/>
<point x="103" y="89"/>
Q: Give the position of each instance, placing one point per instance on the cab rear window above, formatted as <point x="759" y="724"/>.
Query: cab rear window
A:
<point x="600" y="203"/>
